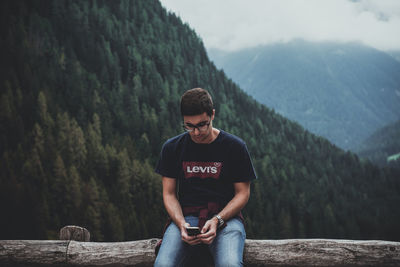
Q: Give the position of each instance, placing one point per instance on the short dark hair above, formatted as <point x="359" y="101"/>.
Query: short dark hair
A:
<point x="196" y="101"/>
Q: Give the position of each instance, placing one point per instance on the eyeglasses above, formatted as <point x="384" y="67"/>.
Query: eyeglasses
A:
<point x="202" y="126"/>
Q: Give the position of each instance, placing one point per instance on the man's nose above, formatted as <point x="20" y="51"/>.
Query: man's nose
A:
<point x="196" y="133"/>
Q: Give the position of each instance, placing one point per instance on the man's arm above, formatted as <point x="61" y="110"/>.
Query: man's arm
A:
<point x="174" y="209"/>
<point x="242" y="194"/>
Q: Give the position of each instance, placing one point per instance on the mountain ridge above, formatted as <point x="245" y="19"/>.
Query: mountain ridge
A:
<point x="343" y="92"/>
<point x="383" y="146"/>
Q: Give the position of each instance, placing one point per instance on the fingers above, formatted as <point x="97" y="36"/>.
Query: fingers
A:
<point x="207" y="236"/>
<point x="208" y="241"/>
<point x="191" y="240"/>
<point x="205" y="228"/>
<point x="184" y="233"/>
<point x="194" y="241"/>
<point x="209" y="232"/>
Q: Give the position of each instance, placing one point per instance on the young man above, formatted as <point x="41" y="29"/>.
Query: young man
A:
<point x="206" y="176"/>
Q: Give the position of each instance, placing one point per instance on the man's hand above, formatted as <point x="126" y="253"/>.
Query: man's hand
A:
<point x="191" y="240"/>
<point x="209" y="231"/>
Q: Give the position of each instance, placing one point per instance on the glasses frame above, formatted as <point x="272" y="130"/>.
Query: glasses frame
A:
<point x="200" y="128"/>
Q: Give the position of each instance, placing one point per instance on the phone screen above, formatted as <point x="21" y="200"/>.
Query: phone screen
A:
<point x="193" y="231"/>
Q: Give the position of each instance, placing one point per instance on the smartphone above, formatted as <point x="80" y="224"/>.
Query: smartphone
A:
<point x="192" y="231"/>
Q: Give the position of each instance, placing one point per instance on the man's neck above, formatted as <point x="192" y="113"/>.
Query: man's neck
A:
<point x="210" y="138"/>
<point x="214" y="134"/>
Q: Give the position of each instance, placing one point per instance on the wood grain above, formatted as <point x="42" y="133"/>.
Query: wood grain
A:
<point x="290" y="252"/>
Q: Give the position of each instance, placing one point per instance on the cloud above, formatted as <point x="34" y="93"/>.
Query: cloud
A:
<point x="236" y="24"/>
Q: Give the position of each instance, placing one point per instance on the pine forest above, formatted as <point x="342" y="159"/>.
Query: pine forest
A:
<point x="89" y="92"/>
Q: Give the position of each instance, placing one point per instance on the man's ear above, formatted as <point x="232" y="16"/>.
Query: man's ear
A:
<point x="213" y="115"/>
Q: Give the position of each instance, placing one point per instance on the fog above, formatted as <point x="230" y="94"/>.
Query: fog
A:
<point x="236" y="24"/>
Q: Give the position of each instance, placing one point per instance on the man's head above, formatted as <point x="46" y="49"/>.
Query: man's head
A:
<point x="198" y="113"/>
<point x="195" y="102"/>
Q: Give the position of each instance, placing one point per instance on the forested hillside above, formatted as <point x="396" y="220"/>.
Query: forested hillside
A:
<point x="341" y="91"/>
<point x="89" y="92"/>
<point x="383" y="147"/>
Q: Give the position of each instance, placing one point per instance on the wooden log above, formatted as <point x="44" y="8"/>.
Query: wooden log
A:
<point x="133" y="253"/>
<point x="292" y="252"/>
<point x="321" y="252"/>
<point x="32" y="252"/>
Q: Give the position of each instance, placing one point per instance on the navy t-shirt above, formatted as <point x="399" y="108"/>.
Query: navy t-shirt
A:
<point x="206" y="172"/>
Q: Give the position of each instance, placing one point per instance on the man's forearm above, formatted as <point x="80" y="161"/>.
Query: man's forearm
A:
<point x="174" y="209"/>
<point x="234" y="206"/>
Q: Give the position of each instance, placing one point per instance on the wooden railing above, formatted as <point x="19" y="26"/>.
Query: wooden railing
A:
<point x="289" y="252"/>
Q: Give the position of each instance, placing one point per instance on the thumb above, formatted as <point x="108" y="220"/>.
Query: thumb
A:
<point x="205" y="228"/>
<point x="184" y="226"/>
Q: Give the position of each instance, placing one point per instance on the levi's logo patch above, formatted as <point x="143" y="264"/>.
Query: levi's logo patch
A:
<point x="202" y="169"/>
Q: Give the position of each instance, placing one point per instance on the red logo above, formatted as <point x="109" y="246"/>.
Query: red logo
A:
<point x="202" y="169"/>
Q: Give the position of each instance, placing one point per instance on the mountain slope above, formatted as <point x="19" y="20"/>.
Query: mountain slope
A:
<point x="383" y="146"/>
<point x="343" y="92"/>
<point x="395" y="55"/>
<point x="89" y="91"/>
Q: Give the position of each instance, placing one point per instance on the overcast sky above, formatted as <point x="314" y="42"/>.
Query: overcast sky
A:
<point x="236" y="24"/>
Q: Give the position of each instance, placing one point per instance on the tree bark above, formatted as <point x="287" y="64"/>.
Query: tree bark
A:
<point x="321" y="252"/>
<point x="133" y="253"/>
<point x="72" y="232"/>
<point x="32" y="252"/>
<point x="291" y="252"/>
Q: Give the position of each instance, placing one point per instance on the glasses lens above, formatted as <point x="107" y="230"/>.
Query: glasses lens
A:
<point x="202" y="126"/>
<point x="187" y="128"/>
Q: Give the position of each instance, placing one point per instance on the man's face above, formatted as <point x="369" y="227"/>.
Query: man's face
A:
<point x="201" y="137"/>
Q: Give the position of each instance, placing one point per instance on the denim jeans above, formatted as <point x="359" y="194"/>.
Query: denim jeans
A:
<point x="226" y="249"/>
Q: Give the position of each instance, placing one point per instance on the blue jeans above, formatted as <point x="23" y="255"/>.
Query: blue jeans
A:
<point x="226" y="249"/>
